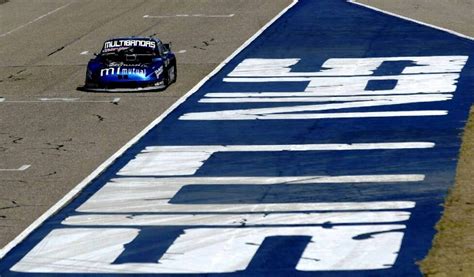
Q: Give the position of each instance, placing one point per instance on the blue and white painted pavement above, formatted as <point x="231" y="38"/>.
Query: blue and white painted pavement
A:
<point x="325" y="146"/>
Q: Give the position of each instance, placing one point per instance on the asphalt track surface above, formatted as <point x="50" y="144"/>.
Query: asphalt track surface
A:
<point x="64" y="134"/>
<point x="455" y="15"/>
<point x="422" y="148"/>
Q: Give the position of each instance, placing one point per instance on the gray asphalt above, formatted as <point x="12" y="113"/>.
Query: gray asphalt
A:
<point x="456" y="15"/>
<point x="40" y="57"/>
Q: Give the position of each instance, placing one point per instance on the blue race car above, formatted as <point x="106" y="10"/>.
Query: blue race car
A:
<point x="131" y="64"/>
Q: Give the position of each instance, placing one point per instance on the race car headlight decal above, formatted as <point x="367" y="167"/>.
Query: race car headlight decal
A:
<point x="89" y="74"/>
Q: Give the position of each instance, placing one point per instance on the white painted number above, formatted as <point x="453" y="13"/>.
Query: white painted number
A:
<point x="345" y="81"/>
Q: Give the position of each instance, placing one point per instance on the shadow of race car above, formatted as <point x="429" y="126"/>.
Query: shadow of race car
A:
<point x="131" y="64"/>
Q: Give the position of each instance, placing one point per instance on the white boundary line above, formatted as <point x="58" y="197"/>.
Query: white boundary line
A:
<point x="191" y="15"/>
<point x="45" y="100"/>
<point x="21" y="168"/>
<point x="412" y="20"/>
<point x="76" y="190"/>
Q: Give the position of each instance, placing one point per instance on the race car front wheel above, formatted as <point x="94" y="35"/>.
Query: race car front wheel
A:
<point x="172" y="73"/>
<point x="170" y="76"/>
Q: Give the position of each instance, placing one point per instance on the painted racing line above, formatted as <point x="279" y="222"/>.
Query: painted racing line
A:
<point x="326" y="146"/>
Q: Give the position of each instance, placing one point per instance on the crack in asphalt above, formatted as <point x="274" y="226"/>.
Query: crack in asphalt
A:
<point x="56" y="51"/>
<point x="15" y="205"/>
<point x="101" y="118"/>
<point x="50" y="174"/>
<point x="16" y="77"/>
<point x="55" y="146"/>
<point x="15" y="139"/>
<point x="205" y="44"/>
<point x="13" y="180"/>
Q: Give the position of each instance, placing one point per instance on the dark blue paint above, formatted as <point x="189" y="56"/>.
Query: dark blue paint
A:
<point x="149" y="246"/>
<point x="381" y="84"/>
<point x="313" y="31"/>
<point x="278" y="253"/>
<point x="392" y="68"/>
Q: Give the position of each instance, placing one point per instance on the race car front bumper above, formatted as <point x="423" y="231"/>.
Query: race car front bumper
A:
<point x="123" y="87"/>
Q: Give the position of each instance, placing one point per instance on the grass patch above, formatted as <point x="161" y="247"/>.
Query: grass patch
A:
<point x="452" y="253"/>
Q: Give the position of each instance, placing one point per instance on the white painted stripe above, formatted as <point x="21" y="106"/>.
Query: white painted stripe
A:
<point x="186" y="160"/>
<point x="58" y="99"/>
<point x="61" y="100"/>
<point x="319" y="99"/>
<point x="216" y="116"/>
<point x="191" y="15"/>
<point x="21" y="168"/>
<point x="285" y="110"/>
<point x="84" y="53"/>
<point x="242" y="180"/>
<point x="76" y="190"/>
<point x="153" y="195"/>
<point x="128" y="204"/>
<point x="365" y="93"/>
<point x="345" y="79"/>
<point x="349" y="86"/>
<point x="347" y="67"/>
<point x="237" y="219"/>
<point x="289" y="147"/>
<point x="214" y="15"/>
<point x="2" y="99"/>
<point x="34" y="20"/>
<point x="412" y="20"/>
<point x="24" y="167"/>
<point x="181" y="51"/>
<point x="356" y="85"/>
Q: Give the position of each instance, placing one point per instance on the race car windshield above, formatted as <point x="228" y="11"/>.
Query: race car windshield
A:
<point x="128" y="50"/>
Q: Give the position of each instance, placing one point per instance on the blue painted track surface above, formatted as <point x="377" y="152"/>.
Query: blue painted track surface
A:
<point x="312" y="32"/>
